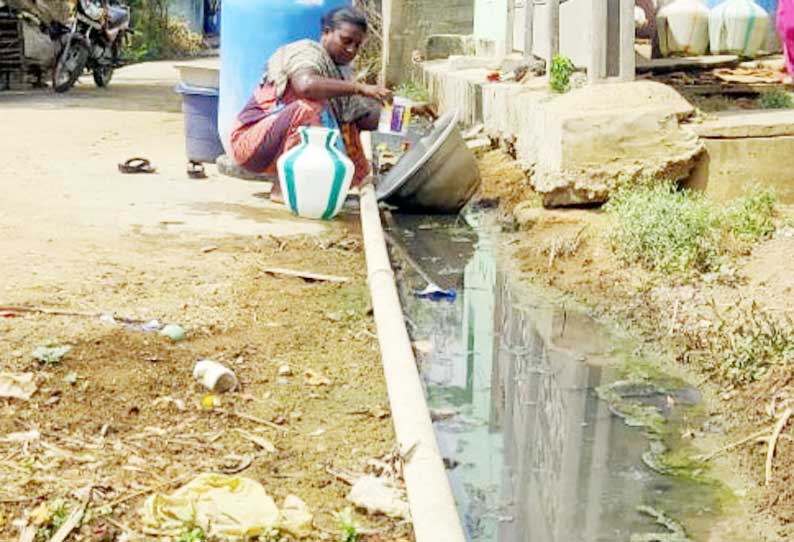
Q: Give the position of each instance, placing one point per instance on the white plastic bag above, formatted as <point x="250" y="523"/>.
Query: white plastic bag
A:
<point x="683" y="28"/>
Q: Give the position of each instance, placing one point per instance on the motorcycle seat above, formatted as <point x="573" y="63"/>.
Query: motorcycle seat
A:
<point x="118" y="16"/>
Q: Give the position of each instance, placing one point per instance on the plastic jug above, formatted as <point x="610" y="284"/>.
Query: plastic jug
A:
<point x="683" y="28"/>
<point x="315" y="176"/>
<point x="251" y="31"/>
<point x="738" y="27"/>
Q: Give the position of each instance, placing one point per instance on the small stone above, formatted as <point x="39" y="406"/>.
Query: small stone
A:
<point x="285" y="370"/>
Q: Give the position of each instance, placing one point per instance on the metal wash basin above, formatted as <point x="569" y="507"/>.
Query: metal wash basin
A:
<point x="439" y="174"/>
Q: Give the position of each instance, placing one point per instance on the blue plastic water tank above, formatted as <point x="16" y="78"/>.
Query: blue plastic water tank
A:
<point x="200" y="109"/>
<point x="251" y="31"/>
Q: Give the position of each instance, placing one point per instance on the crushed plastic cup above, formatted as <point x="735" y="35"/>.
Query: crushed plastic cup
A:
<point x="214" y="376"/>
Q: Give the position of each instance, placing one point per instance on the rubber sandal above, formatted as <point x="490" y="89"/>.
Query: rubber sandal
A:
<point x="137" y="165"/>
<point x="195" y="170"/>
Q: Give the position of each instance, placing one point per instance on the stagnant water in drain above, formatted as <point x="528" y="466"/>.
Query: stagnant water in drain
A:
<point x="534" y="454"/>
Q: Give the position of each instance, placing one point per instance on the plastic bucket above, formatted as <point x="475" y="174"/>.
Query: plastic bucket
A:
<point x="200" y="109"/>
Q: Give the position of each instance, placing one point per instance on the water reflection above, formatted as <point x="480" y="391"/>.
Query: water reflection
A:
<point x="536" y="456"/>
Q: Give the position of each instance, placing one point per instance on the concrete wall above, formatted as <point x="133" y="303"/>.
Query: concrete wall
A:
<point x="490" y="19"/>
<point x="407" y="25"/>
<point x="574" y="31"/>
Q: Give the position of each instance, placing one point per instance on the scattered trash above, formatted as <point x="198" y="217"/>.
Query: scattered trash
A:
<point x="22" y="436"/>
<point x="214" y="376"/>
<point x="435" y="293"/>
<point x="223" y="506"/>
<point x="440" y="414"/>
<point x="136" y="165"/>
<point x="259" y="441"/>
<point x="432" y="290"/>
<point x="70" y="378"/>
<point x="378" y="496"/>
<point x="236" y="463"/>
<point x="50" y="354"/>
<point x="296" y="519"/>
<point x="312" y="378"/>
<point x="210" y="401"/>
<point x="178" y="403"/>
<point x="320" y="431"/>
<point x="423" y="347"/>
<point x="17" y="385"/>
<point x="174" y="332"/>
<point x="305" y="275"/>
<point x="285" y="370"/>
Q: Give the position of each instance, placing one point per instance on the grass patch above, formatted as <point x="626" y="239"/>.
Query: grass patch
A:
<point x="679" y="231"/>
<point x="775" y="99"/>
<point x="745" y="343"/>
<point x="664" y="229"/>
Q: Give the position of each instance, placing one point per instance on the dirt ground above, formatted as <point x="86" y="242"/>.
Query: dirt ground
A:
<point x="121" y="411"/>
<point x="568" y="251"/>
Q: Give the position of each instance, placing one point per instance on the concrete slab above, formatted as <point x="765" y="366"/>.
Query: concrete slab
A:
<point x="744" y="124"/>
<point x="661" y="65"/>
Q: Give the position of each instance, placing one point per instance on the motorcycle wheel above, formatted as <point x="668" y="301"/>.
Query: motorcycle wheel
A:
<point x="70" y="66"/>
<point x="102" y="75"/>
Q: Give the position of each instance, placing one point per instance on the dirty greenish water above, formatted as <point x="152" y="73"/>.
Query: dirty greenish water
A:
<point x="533" y="454"/>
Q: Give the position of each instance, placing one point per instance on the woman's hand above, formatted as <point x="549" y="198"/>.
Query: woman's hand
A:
<point x="375" y="92"/>
<point x="425" y="110"/>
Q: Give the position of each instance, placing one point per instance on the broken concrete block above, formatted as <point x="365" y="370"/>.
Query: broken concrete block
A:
<point x="591" y="140"/>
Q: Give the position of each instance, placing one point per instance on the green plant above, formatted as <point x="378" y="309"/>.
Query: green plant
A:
<point x="193" y="534"/>
<point x="749" y="218"/>
<point x="664" y="229"/>
<point x="560" y="73"/>
<point x="347" y="525"/>
<point x="775" y="99"/>
<point x="745" y="342"/>
<point x="57" y="511"/>
<point x="158" y="36"/>
<point x="413" y="91"/>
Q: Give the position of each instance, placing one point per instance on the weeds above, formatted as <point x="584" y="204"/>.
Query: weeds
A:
<point x="560" y="73"/>
<point x="413" y="92"/>
<point x="49" y="517"/>
<point x="347" y="525"/>
<point x="749" y="218"/>
<point x="664" y="229"/>
<point x="158" y="36"/>
<point x="194" y="534"/>
<point x="680" y="231"/>
<point x="745" y="343"/>
<point x="775" y="99"/>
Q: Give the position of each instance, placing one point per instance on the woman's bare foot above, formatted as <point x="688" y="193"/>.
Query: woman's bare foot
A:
<point x="275" y="195"/>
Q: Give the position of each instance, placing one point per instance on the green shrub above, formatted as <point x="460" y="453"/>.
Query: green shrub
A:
<point x="560" y="73"/>
<point x="749" y="218"/>
<point x="413" y="92"/>
<point x="775" y="99"/>
<point x="664" y="229"/>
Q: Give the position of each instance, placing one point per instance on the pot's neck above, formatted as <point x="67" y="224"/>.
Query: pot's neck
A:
<point x="317" y="135"/>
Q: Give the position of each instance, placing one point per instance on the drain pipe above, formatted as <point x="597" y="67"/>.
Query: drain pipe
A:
<point x="433" y="512"/>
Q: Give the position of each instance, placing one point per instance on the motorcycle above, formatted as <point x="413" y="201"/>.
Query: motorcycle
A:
<point x="94" y="41"/>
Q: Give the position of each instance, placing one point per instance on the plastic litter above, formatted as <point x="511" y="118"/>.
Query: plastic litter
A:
<point x="50" y="354"/>
<point x="435" y="293"/>
<point x="17" y="385"/>
<point x="378" y="496"/>
<point x="214" y="376"/>
<point x="174" y="332"/>
<point x="226" y="507"/>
